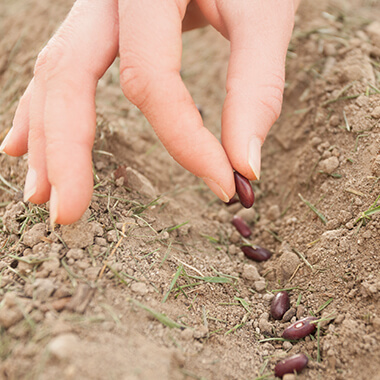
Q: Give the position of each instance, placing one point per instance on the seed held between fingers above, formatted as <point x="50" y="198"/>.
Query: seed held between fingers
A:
<point x="244" y="190"/>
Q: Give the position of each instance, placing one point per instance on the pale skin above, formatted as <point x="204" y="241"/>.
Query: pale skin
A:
<point x="55" y="118"/>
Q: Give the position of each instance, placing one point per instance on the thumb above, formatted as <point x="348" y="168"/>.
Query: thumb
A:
<point x="260" y="33"/>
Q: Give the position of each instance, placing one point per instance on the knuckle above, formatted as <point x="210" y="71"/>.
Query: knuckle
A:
<point x="135" y="82"/>
<point x="54" y="59"/>
<point x="272" y="94"/>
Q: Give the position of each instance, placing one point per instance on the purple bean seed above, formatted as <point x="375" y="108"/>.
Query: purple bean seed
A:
<point x="232" y="201"/>
<point x="294" y="363"/>
<point x="256" y="253"/>
<point x="280" y="304"/>
<point x="300" y="329"/>
<point x="241" y="225"/>
<point x="244" y="190"/>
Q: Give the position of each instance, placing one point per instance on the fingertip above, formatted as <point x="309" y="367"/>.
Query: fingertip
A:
<point x="218" y="190"/>
<point x="67" y="210"/>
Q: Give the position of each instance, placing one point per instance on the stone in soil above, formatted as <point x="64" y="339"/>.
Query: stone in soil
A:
<point x="63" y="346"/>
<point x="78" y="235"/>
<point x="81" y="298"/>
<point x="287" y="265"/>
<point x="10" y="312"/>
<point x="251" y="273"/>
<point x="42" y="289"/>
<point x="140" y="183"/>
<point x="329" y="165"/>
<point x="289" y="314"/>
<point x="139" y="288"/>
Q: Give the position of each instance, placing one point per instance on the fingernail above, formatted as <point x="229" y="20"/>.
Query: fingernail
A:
<point x="53" y="206"/>
<point x="216" y="189"/>
<point x="30" y="184"/>
<point x="254" y="156"/>
<point x="5" y="141"/>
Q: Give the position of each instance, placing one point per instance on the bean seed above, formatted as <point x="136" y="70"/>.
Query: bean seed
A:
<point x="241" y="226"/>
<point x="294" y="363"/>
<point x="280" y="304"/>
<point x="300" y="329"/>
<point x="256" y="253"/>
<point x="244" y="190"/>
<point x="232" y="201"/>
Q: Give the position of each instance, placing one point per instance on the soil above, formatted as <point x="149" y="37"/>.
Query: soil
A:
<point x="151" y="283"/>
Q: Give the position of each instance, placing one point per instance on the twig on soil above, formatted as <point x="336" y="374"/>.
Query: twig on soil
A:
<point x="346" y="122"/>
<point x="294" y="273"/>
<point x="189" y="266"/>
<point x="355" y="192"/>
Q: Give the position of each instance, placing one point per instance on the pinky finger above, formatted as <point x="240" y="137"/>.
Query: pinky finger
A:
<point x="16" y="141"/>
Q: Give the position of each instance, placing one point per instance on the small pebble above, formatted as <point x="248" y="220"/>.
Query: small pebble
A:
<point x="63" y="346"/>
<point x="289" y="315"/>
<point x="139" y="288"/>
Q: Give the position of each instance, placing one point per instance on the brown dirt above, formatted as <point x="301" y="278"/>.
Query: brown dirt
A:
<point x="62" y="317"/>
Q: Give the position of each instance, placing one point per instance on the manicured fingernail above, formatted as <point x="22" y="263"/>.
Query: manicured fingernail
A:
<point x="216" y="189"/>
<point x="254" y="156"/>
<point x="5" y="141"/>
<point x="30" y="184"/>
<point x="53" y="206"/>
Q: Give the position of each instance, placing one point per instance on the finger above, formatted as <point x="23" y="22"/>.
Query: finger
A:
<point x="37" y="186"/>
<point x="67" y="71"/>
<point x="16" y="141"/>
<point x="259" y="33"/>
<point x="150" y="54"/>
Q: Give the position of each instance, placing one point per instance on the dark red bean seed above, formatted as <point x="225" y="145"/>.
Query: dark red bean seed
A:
<point x="300" y="329"/>
<point x="241" y="226"/>
<point x="232" y="201"/>
<point x="289" y="365"/>
<point x="256" y="253"/>
<point x="244" y="190"/>
<point x="280" y="304"/>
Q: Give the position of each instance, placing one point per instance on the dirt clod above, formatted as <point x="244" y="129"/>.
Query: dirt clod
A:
<point x="35" y="235"/>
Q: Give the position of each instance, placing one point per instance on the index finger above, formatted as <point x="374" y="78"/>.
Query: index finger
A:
<point x="150" y="60"/>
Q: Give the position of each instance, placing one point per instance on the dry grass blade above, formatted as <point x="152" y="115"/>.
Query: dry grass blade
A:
<point x="113" y="251"/>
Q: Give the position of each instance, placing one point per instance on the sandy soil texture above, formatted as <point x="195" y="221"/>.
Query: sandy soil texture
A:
<point x="151" y="283"/>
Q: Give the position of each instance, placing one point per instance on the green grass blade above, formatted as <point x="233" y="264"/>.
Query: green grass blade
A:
<point x="314" y="209"/>
<point x="175" y="278"/>
<point x="159" y="316"/>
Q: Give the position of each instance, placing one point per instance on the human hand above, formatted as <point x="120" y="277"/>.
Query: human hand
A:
<point x="55" y="120"/>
